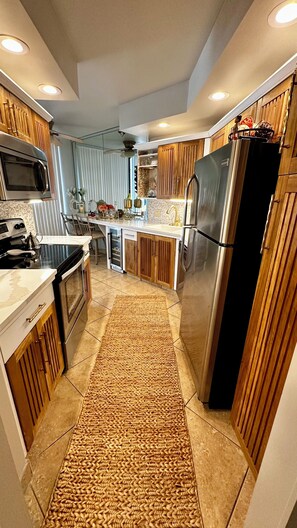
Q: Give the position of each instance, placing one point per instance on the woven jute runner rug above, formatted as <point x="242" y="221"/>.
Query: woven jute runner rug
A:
<point x="129" y="462"/>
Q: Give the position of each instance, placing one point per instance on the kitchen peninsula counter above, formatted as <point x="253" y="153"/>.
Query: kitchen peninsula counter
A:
<point x="140" y="226"/>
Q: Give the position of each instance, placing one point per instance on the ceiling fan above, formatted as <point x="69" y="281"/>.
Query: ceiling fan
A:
<point x="127" y="152"/>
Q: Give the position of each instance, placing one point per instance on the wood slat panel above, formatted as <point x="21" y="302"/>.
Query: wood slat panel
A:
<point x="269" y="350"/>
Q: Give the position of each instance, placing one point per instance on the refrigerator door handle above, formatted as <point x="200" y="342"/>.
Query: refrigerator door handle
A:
<point x="192" y="179"/>
<point x="186" y="262"/>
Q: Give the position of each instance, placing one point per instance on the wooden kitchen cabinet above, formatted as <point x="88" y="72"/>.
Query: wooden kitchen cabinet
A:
<point x="33" y="371"/>
<point x="167" y="170"/>
<point x="3" y="111"/>
<point x="156" y="259"/>
<point x="272" y="331"/>
<point x="175" y="166"/>
<point x="19" y="118"/>
<point x="131" y="256"/>
<point x="188" y="153"/>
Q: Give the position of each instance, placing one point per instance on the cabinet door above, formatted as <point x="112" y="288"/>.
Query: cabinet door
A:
<point x="272" y="331"/>
<point x="165" y="261"/>
<point x="49" y="338"/>
<point x="3" y="111"/>
<point x="288" y="163"/>
<point x="26" y="373"/>
<point x="21" y="119"/>
<point x="42" y="140"/>
<point x="167" y="170"/>
<point x="188" y="153"/>
<point x="146" y="261"/>
<point x="131" y="256"/>
<point x="272" y="107"/>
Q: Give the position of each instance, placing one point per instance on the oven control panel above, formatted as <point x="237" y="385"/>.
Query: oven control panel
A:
<point x="12" y="227"/>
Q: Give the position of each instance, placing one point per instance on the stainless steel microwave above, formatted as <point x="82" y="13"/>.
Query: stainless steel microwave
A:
<point x="23" y="170"/>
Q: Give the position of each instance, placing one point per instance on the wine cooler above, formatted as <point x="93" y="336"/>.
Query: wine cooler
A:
<point x="115" y="248"/>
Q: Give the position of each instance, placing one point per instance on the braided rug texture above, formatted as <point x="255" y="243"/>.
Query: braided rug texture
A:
<point x="129" y="462"/>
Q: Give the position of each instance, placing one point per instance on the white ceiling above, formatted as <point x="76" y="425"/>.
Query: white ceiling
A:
<point x="133" y="63"/>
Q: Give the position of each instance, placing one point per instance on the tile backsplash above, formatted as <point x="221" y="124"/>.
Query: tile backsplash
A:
<point x="156" y="210"/>
<point x="15" y="209"/>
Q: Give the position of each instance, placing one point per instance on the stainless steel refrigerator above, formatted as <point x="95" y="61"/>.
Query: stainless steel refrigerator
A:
<point x="226" y="206"/>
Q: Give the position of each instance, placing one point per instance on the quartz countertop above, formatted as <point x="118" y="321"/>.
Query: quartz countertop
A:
<point x="142" y="226"/>
<point x="68" y="239"/>
<point x="17" y="288"/>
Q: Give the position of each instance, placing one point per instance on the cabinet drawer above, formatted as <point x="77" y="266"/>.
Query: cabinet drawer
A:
<point x="14" y="334"/>
<point x="129" y="235"/>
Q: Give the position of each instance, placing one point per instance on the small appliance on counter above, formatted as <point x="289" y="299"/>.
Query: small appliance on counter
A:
<point x="69" y="287"/>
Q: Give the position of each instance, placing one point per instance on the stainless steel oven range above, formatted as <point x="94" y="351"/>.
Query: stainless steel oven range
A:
<point x="68" y="285"/>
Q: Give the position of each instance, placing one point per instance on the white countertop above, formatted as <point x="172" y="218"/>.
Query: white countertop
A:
<point x="142" y="226"/>
<point x="68" y="239"/>
<point x="17" y="288"/>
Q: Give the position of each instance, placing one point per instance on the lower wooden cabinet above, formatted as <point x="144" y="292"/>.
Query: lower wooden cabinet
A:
<point x="33" y="372"/>
<point x="156" y="259"/>
<point x="130" y="251"/>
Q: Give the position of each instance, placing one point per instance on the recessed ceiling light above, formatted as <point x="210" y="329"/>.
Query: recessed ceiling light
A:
<point x="163" y="125"/>
<point x="13" y="45"/>
<point x="284" y="14"/>
<point x="49" y="89"/>
<point x="218" y="96"/>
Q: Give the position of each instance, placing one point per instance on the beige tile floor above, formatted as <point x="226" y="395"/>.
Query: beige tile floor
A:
<point x="225" y="483"/>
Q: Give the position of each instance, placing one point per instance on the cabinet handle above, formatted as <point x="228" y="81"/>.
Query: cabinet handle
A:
<point x="263" y="244"/>
<point x="40" y="307"/>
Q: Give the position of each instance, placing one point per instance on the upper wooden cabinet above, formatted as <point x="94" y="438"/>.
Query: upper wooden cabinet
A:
<point x="18" y="117"/>
<point x="3" y="111"/>
<point x="272" y="107"/>
<point x="167" y="170"/>
<point x="175" y="166"/>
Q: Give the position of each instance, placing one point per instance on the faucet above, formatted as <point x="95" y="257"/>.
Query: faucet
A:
<point x="176" y="218"/>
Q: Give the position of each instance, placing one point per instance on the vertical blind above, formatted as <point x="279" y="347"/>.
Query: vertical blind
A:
<point x="104" y="176"/>
<point x="47" y="215"/>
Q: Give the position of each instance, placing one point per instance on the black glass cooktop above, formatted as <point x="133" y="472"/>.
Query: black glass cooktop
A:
<point x="55" y="256"/>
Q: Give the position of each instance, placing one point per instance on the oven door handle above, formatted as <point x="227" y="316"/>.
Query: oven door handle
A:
<point x="67" y="273"/>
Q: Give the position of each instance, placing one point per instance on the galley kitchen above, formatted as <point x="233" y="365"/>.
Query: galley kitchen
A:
<point x="147" y="255"/>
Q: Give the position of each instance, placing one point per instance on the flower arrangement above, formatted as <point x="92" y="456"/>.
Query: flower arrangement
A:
<point x="73" y="192"/>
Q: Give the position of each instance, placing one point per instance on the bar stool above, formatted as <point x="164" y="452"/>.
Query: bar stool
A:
<point x="71" y="224"/>
<point x="86" y="228"/>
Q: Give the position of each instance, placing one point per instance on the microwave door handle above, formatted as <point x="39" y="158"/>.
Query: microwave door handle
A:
<point x="67" y="273"/>
<point x="43" y="178"/>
